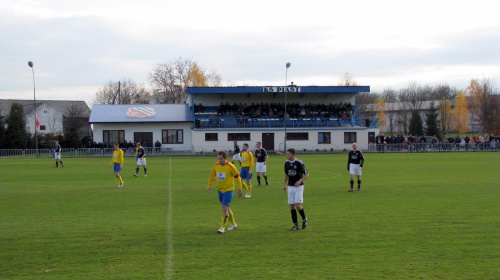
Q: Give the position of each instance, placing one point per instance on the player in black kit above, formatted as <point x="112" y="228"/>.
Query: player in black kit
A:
<point x="261" y="156"/>
<point x="354" y="163"/>
<point x="236" y="153"/>
<point x="57" y="154"/>
<point x="295" y="174"/>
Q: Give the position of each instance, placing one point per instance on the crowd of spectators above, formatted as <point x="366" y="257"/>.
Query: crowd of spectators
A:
<point x="294" y="110"/>
<point x="123" y="145"/>
<point x="445" y="143"/>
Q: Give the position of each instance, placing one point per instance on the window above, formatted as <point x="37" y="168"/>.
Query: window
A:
<point x="113" y="136"/>
<point x="324" y="138"/>
<point x="211" y="137"/>
<point x="172" y="136"/>
<point x="238" y="136"/>
<point x="349" y="137"/>
<point x="42" y="127"/>
<point x="297" y="136"/>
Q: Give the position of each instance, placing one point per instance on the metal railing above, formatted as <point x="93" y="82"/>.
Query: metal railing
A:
<point x="87" y="152"/>
<point x="434" y="147"/>
<point x="204" y="122"/>
<point x="213" y="150"/>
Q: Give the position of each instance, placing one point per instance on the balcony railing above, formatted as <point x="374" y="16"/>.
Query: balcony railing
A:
<point x="215" y="122"/>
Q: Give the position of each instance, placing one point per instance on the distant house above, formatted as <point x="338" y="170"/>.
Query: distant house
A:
<point x="51" y="113"/>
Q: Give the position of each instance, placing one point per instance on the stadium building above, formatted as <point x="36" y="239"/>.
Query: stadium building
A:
<point x="315" y="118"/>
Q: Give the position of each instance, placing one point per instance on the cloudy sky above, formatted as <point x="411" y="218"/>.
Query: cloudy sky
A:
<point x="79" y="46"/>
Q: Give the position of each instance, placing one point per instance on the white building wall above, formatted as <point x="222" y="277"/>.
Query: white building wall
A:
<point x="48" y="116"/>
<point x="155" y="128"/>
<point x="337" y="140"/>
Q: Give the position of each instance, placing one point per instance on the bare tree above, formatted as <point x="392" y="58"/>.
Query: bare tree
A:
<point x="170" y="80"/>
<point x="347" y="80"/>
<point x="365" y="104"/>
<point x="444" y="90"/>
<point x="122" y="92"/>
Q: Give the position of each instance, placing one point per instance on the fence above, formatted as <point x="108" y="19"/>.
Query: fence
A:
<point x="434" y="147"/>
<point x="87" y="152"/>
<point x="302" y="149"/>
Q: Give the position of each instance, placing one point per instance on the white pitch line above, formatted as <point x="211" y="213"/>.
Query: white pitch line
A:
<point x="170" y="246"/>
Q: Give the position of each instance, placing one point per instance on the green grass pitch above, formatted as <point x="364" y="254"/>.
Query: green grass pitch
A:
<point x="418" y="216"/>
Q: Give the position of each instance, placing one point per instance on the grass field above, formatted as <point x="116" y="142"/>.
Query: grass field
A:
<point x="419" y="216"/>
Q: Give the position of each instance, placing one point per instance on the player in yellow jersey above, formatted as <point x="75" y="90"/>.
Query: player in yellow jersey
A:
<point x="225" y="173"/>
<point x="247" y="162"/>
<point x="117" y="163"/>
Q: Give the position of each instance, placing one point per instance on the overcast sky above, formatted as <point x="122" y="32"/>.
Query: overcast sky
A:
<point x="79" y="46"/>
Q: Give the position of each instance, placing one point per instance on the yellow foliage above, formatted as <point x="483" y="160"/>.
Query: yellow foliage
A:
<point x="196" y="77"/>
<point x="460" y="115"/>
<point x="382" y="118"/>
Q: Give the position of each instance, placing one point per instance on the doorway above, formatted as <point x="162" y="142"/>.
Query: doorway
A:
<point x="268" y="141"/>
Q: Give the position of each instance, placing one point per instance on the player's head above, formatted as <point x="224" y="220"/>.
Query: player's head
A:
<point x="235" y="142"/>
<point x="258" y="145"/>
<point x="245" y="147"/>
<point x="116" y="146"/>
<point x="355" y="146"/>
<point x="290" y="154"/>
<point x="222" y="157"/>
<point x="57" y="142"/>
<point x="138" y="144"/>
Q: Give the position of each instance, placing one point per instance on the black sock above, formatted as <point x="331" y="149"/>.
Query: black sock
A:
<point x="57" y="164"/>
<point x="137" y="170"/>
<point x="294" y="216"/>
<point x="302" y="214"/>
<point x="62" y="164"/>
<point x="359" y="183"/>
<point x="145" y="172"/>
<point x="352" y="183"/>
<point x="258" y="179"/>
<point x="265" y="178"/>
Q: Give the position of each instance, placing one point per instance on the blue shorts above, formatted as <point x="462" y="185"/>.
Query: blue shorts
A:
<point x="244" y="173"/>
<point x="225" y="198"/>
<point x="116" y="167"/>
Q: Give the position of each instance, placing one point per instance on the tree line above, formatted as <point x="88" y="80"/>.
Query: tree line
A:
<point x="447" y="109"/>
<point x="168" y="83"/>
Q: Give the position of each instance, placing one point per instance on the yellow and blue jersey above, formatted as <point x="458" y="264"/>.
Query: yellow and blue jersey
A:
<point x="247" y="159"/>
<point x="225" y="175"/>
<point x="117" y="157"/>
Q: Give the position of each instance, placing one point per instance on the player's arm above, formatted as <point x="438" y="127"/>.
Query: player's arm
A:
<point x="112" y="160"/>
<point x="121" y="158"/>
<point x="362" y="161"/>
<point x="250" y="156"/>
<point x="301" y="181"/>
<point x="211" y="179"/>
<point x="239" y="184"/>
<point x="348" y="160"/>
<point x="285" y="185"/>
<point x="265" y="159"/>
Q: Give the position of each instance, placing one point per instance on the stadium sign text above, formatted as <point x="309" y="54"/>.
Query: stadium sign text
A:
<point x="281" y="89"/>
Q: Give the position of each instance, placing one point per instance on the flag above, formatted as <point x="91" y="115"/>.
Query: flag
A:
<point x="37" y="121"/>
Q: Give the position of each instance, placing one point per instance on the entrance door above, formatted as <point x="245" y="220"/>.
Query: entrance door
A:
<point x="145" y="138"/>
<point x="268" y="141"/>
<point x="371" y="137"/>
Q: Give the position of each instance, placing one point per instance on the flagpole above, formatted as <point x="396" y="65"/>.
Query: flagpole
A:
<point x="34" y="108"/>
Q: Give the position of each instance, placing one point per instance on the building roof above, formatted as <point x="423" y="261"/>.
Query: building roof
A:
<point x="60" y="105"/>
<point x="277" y="89"/>
<point x="133" y="113"/>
